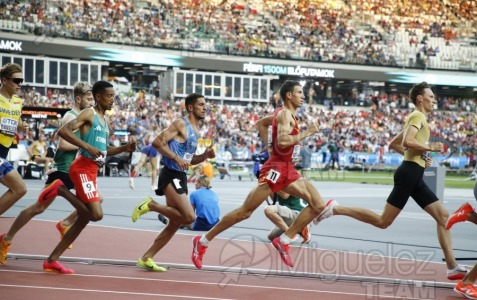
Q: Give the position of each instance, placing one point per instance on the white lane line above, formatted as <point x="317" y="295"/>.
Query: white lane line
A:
<point x="109" y="292"/>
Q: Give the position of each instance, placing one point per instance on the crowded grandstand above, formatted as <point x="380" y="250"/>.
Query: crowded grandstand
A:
<point x="428" y="35"/>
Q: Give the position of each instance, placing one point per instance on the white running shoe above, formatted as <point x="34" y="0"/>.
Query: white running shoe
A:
<point x="131" y="183"/>
<point x="153" y="187"/>
<point x="458" y="273"/>
<point x="327" y="212"/>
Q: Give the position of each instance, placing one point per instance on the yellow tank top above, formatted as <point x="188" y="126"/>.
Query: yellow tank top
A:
<point x="10" y="112"/>
<point x="39" y="149"/>
<point x="418" y="120"/>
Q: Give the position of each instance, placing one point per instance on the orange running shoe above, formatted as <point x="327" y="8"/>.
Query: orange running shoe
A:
<point x="460" y="215"/>
<point x="4" y="246"/>
<point x="306" y="234"/>
<point x="50" y="191"/>
<point x="63" y="229"/>
<point x="466" y="290"/>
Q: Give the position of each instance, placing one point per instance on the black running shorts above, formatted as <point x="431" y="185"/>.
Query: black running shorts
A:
<point x="408" y="182"/>
<point x="65" y="177"/>
<point x="177" y="179"/>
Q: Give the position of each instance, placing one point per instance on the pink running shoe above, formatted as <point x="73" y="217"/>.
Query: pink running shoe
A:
<point x="198" y="251"/>
<point x="283" y="250"/>
<point x="56" y="267"/>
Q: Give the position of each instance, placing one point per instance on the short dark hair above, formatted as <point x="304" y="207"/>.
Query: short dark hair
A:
<point x="287" y="87"/>
<point x="100" y="86"/>
<point x="416" y="90"/>
<point x="192" y="98"/>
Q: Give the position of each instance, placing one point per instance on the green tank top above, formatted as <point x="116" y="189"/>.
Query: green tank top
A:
<point x="97" y="136"/>
<point x="63" y="159"/>
<point x="293" y="203"/>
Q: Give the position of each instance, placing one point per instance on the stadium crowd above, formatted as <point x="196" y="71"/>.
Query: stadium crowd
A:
<point x="316" y="30"/>
<point x="232" y="127"/>
<point x="382" y="33"/>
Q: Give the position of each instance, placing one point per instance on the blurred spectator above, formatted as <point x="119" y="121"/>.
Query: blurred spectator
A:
<point x="284" y="213"/>
<point x="38" y="150"/>
<point x="312" y="30"/>
<point x="206" y="205"/>
<point x="305" y="162"/>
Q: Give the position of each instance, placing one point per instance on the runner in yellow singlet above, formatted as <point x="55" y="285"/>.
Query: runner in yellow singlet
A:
<point x="11" y="78"/>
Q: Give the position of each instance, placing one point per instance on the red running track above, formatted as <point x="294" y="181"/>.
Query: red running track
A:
<point x="25" y="279"/>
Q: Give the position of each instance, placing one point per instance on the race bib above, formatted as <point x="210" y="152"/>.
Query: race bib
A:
<point x="425" y="155"/>
<point x="188" y="157"/>
<point x="273" y="175"/>
<point x="88" y="187"/>
<point x="296" y="153"/>
<point x="8" y="126"/>
<point x="101" y="160"/>
<point x="177" y="183"/>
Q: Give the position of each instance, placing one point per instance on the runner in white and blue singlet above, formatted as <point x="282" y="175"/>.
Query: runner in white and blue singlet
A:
<point x="177" y="145"/>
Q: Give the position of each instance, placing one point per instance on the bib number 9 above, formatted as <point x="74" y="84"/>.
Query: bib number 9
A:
<point x="88" y="187"/>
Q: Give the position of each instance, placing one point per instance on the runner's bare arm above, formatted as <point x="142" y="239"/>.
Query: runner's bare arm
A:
<point x="262" y="126"/>
<point x="396" y="143"/>
<point x="285" y="122"/>
<point x="82" y="122"/>
<point x="208" y="153"/>
<point x="410" y="141"/>
<point x="63" y="145"/>
<point x="174" y="131"/>
<point x="177" y="130"/>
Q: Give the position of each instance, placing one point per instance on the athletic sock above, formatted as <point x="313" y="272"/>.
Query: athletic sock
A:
<point x="203" y="241"/>
<point x="457" y="267"/>
<point x="285" y="240"/>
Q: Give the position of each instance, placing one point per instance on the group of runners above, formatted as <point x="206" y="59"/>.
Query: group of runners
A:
<point x="83" y="148"/>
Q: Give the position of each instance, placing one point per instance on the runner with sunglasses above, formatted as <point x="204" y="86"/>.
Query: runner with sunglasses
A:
<point x="11" y="77"/>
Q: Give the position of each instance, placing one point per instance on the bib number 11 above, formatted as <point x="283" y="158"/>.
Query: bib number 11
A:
<point x="273" y="176"/>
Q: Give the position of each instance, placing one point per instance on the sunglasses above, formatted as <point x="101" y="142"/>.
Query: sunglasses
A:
<point x="17" y="80"/>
